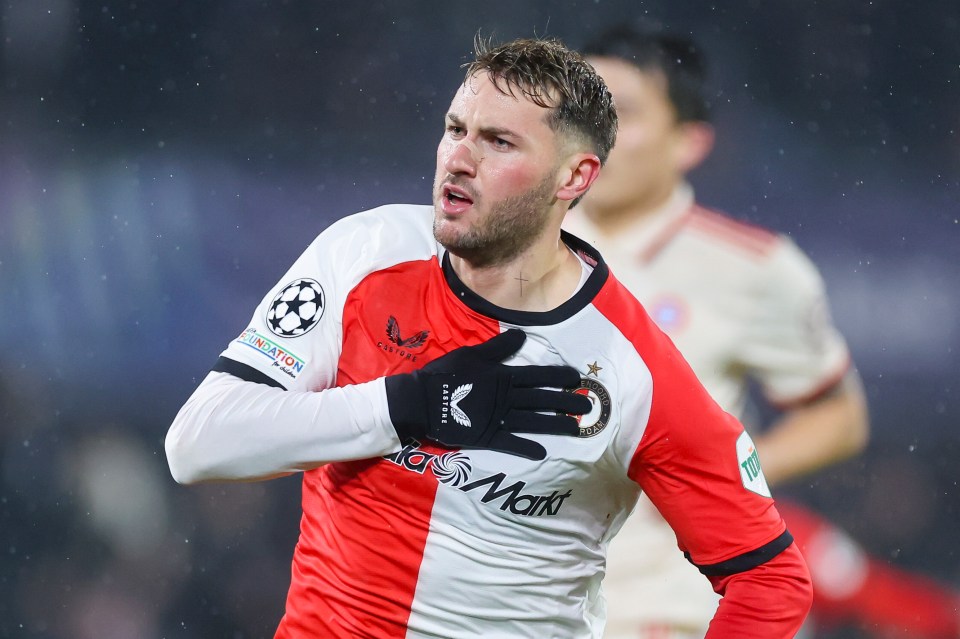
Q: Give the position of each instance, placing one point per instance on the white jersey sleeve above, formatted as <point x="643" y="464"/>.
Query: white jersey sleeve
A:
<point x="271" y="406"/>
<point x="793" y="348"/>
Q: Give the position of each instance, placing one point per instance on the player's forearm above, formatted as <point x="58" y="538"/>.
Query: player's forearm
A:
<point x="812" y="436"/>
<point x="770" y="601"/>
<point x="231" y="429"/>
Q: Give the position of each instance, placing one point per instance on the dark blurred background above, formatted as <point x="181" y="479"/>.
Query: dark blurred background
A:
<point x="161" y="164"/>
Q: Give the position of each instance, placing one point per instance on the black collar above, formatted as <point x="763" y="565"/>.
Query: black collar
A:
<point x="568" y="309"/>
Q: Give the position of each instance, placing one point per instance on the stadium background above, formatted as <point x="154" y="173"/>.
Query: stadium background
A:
<point x="161" y="164"/>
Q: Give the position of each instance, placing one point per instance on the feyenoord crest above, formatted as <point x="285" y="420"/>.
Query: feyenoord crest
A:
<point x="596" y="420"/>
<point x="296" y="309"/>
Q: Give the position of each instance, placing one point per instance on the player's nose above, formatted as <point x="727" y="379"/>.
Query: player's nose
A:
<point x="463" y="158"/>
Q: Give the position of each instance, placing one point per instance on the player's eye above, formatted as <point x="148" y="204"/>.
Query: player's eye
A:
<point x="454" y="130"/>
<point x="501" y="144"/>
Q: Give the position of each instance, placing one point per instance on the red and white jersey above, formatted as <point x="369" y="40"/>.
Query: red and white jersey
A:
<point x="741" y="303"/>
<point x="414" y="540"/>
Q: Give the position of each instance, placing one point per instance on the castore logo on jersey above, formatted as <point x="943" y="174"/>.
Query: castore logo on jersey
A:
<point x="402" y="346"/>
<point x="454" y="469"/>
<point x="414" y="341"/>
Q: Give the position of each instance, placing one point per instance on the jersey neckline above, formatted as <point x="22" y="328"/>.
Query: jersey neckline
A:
<point x="568" y="309"/>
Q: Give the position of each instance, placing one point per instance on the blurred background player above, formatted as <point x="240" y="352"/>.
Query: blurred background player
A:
<point x="742" y="303"/>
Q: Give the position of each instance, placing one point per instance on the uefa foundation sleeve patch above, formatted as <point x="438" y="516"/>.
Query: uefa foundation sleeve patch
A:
<point x="750" y="472"/>
<point x="288" y="362"/>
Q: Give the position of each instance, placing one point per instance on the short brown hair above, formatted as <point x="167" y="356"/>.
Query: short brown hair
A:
<point x="553" y="77"/>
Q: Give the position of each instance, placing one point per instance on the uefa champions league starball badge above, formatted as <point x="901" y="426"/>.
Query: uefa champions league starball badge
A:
<point x="296" y="309"/>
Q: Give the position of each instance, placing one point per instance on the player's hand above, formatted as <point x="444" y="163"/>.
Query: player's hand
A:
<point x="469" y="399"/>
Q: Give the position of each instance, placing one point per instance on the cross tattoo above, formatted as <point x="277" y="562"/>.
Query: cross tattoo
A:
<point x="522" y="280"/>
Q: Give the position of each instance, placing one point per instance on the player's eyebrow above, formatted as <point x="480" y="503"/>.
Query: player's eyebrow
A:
<point x="486" y="131"/>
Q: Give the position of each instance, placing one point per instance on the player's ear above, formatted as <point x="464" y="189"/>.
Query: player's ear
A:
<point x="697" y="144"/>
<point x="577" y="174"/>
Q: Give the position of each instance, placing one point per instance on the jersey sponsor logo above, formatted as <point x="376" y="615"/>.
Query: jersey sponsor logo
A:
<point x="513" y="499"/>
<point x="449" y="468"/>
<point x="288" y="362"/>
<point x="454" y="469"/>
<point x="750" y="471"/>
<point x="596" y="420"/>
<point x="393" y="334"/>
<point x="296" y="309"/>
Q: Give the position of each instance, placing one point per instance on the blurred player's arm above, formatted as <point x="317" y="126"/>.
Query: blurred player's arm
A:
<point x="803" y="364"/>
<point x="851" y="587"/>
<point x="816" y="433"/>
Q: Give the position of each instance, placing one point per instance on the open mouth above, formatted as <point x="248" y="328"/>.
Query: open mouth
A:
<point x="455" y="199"/>
<point x="454" y="194"/>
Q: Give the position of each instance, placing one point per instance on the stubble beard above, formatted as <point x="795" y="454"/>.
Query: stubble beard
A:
<point x="511" y="226"/>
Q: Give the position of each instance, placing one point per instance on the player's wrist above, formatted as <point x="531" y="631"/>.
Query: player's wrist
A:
<point x="407" y="405"/>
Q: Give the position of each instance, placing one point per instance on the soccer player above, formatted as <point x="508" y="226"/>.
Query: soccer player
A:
<point x="475" y="402"/>
<point x="741" y="303"/>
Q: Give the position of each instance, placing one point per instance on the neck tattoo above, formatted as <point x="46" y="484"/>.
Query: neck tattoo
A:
<point x="521" y="280"/>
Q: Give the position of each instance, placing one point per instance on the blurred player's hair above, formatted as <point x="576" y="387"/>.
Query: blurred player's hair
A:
<point x="556" y="78"/>
<point x="678" y="58"/>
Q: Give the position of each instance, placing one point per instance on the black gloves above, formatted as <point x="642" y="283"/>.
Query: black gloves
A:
<point x="469" y="399"/>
